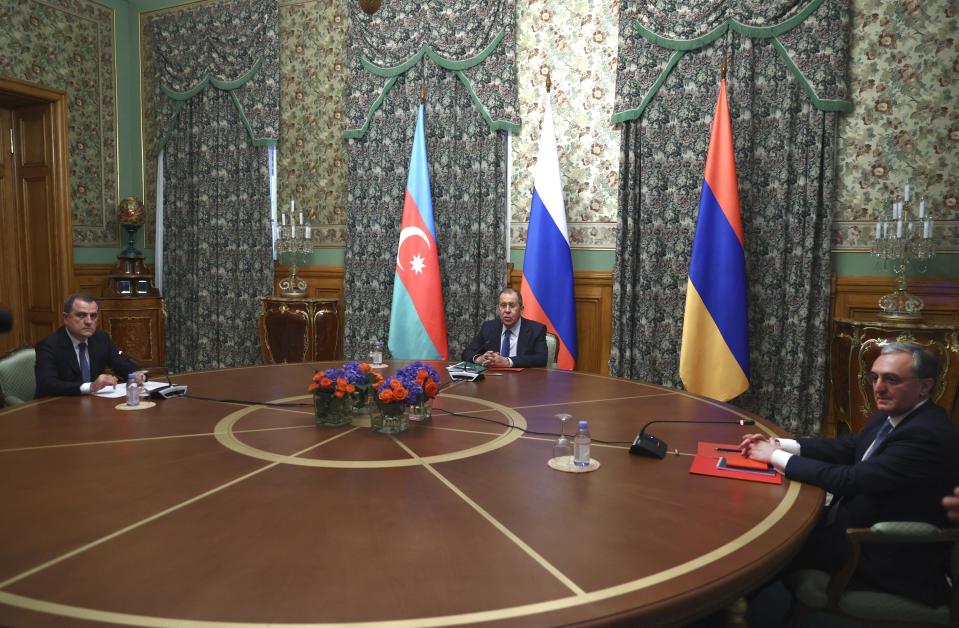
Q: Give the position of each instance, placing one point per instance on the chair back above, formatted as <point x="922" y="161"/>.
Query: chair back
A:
<point x="552" y="342"/>
<point x="17" y="378"/>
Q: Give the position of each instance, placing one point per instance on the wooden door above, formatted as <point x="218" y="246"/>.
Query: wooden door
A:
<point x="11" y="265"/>
<point x="33" y="177"/>
<point x="35" y="221"/>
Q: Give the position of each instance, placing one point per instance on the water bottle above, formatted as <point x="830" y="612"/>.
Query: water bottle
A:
<point x="133" y="391"/>
<point x="581" y="444"/>
<point x="376" y="354"/>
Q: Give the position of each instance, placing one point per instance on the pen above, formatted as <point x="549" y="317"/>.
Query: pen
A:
<point x="729" y="449"/>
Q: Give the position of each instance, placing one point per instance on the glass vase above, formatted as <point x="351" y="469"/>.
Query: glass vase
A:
<point x="332" y="411"/>
<point x="361" y="402"/>
<point x="388" y="418"/>
<point x="420" y="412"/>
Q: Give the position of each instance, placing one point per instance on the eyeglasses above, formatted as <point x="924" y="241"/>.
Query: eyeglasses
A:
<point x="889" y="379"/>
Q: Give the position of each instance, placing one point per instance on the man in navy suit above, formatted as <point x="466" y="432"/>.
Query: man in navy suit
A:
<point x="72" y="360"/>
<point x="898" y="468"/>
<point x="510" y="340"/>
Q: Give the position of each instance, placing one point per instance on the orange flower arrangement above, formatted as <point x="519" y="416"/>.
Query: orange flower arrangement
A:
<point x="353" y="379"/>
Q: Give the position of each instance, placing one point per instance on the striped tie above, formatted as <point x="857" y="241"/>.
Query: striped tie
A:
<point x="880" y="436"/>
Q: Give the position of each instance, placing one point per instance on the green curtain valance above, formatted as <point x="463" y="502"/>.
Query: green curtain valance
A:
<point x="810" y="37"/>
<point x="180" y="99"/>
<point x="229" y="45"/>
<point x="473" y="39"/>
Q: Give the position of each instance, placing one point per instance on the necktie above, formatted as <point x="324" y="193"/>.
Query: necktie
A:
<point x="504" y="350"/>
<point x="880" y="436"/>
<point x="84" y="363"/>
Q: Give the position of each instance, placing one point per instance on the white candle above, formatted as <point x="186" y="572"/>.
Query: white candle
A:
<point x="885" y="229"/>
<point x="309" y="233"/>
<point x="922" y="208"/>
<point x="906" y="193"/>
<point x="301" y="218"/>
<point x="292" y="206"/>
<point x="283" y="216"/>
<point x="899" y="228"/>
<point x="927" y="229"/>
<point x="878" y="229"/>
<point x="292" y="232"/>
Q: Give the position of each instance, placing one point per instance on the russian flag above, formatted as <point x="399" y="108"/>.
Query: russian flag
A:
<point x="547" y="287"/>
<point x="418" y="318"/>
<point x="714" y="358"/>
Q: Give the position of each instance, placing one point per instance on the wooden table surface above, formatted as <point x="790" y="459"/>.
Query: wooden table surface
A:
<point x="202" y="511"/>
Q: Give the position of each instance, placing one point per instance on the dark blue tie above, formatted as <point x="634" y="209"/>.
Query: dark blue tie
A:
<point x="880" y="436"/>
<point x="84" y="363"/>
<point x="504" y="350"/>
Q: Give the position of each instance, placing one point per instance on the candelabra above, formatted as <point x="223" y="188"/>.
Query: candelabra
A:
<point x="904" y="239"/>
<point x="293" y="240"/>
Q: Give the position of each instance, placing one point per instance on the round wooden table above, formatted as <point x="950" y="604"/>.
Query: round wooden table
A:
<point x="213" y="511"/>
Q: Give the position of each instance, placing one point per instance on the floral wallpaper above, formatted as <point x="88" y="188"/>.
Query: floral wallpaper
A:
<point x="68" y="45"/>
<point x="576" y="42"/>
<point x="905" y="124"/>
<point x="312" y="158"/>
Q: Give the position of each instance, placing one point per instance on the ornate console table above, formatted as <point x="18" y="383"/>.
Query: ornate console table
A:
<point x="854" y="346"/>
<point x="298" y="329"/>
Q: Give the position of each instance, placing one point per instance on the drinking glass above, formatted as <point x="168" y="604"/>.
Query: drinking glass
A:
<point x="562" y="447"/>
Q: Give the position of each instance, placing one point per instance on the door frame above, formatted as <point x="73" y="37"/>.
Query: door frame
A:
<point x="61" y="220"/>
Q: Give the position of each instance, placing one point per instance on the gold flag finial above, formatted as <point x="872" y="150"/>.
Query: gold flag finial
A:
<point x="549" y="81"/>
<point x="422" y="93"/>
<point x="724" y="69"/>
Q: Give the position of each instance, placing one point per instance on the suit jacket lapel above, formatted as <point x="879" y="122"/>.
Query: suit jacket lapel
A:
<point x="523" y="340"/>
<point x="68" y="352"/>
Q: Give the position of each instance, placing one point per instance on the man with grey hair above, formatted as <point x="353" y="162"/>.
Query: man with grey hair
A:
<point x="72" y="360"/>
<point x="898" y="468"/>
<point x="510" y="340"/>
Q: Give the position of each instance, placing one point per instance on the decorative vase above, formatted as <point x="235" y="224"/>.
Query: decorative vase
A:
<point x="361" y="402"/>
<point x="333" y="411"/>
<point x="388" y="418"/>
<point x="421" y="412"/>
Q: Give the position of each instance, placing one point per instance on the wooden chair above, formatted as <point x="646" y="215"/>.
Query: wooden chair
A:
<point x="820" y="591"/>
<point x="552" y="344"/>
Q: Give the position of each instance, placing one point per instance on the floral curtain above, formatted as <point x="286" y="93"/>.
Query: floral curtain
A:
<point x="217" y="110"/>
<point x="787" y="65"/>
<point x="461" y="53"/>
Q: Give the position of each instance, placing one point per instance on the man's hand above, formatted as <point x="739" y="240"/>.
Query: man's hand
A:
<point x="102" y="382"/>
<point x="951" y="505"/>
<point x="499" y="361"/>
<point x="758" y="447"/>
<point x="751" y="439"/>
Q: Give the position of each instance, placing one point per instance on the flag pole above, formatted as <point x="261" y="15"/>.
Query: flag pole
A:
<point x="422" y="94"/>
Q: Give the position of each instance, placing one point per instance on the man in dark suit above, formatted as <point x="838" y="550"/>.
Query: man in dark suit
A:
<point x="71" y="360"/>
<point x="898" y="468"/>
<point x="510" y="340"/>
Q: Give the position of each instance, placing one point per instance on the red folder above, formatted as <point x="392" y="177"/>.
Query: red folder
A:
<point x="706" y="462"/>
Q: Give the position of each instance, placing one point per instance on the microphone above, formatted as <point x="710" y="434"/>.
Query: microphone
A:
<point x="6" y="321"/>
<point x="648" y="445"/>
<point x="170" y="390"/>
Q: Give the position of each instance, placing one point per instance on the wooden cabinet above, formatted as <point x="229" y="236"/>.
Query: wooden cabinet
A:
<point x="854" y="346"/>
<point x="137" y="327"/>
<point x="298" y="329"/>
